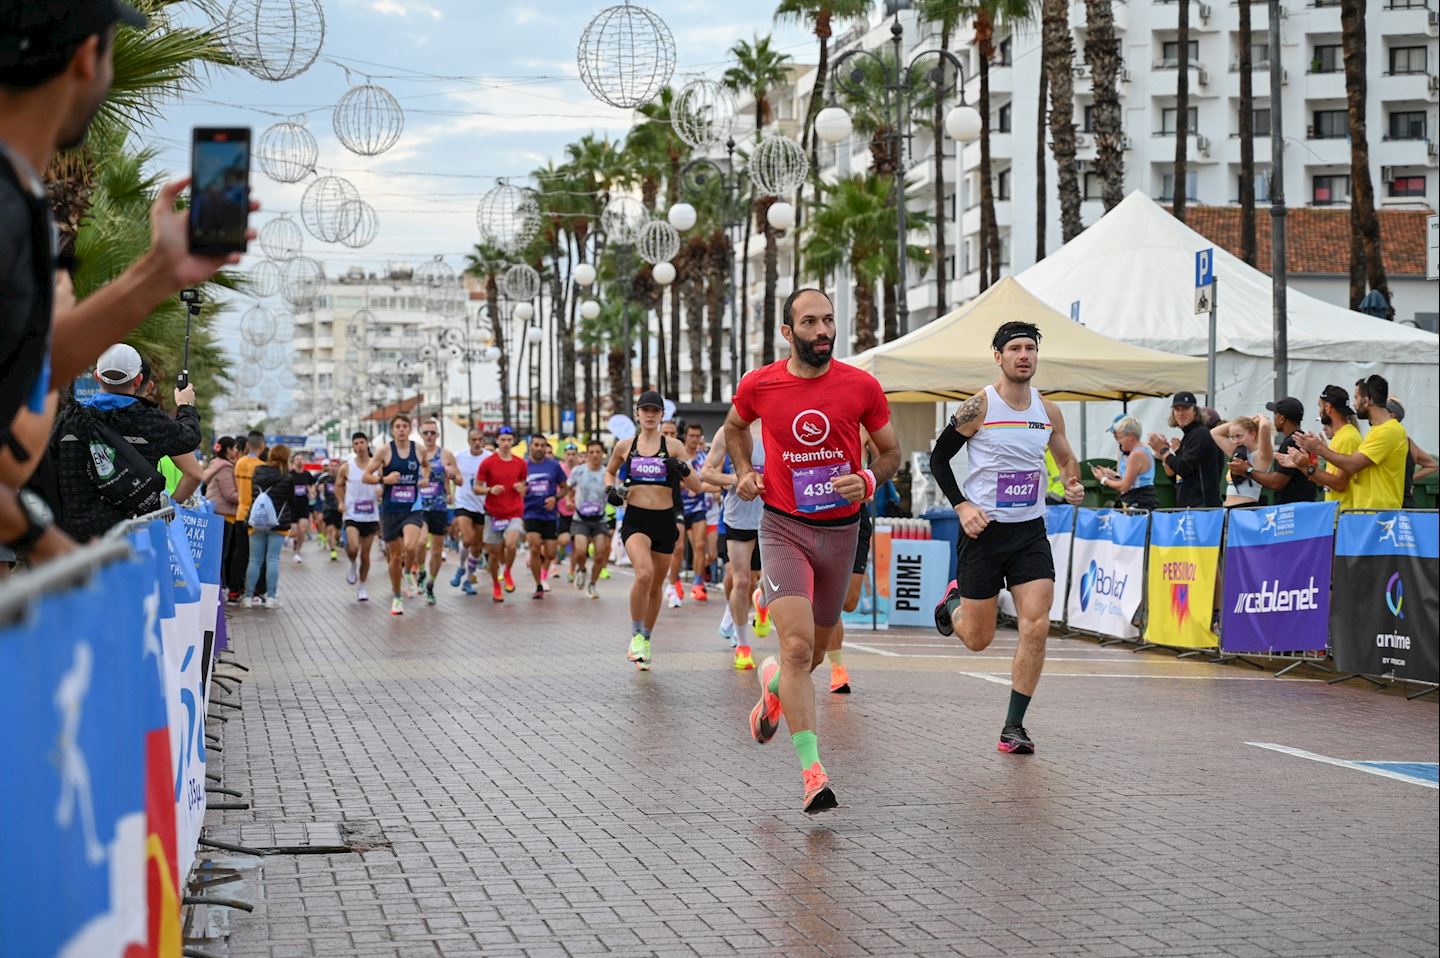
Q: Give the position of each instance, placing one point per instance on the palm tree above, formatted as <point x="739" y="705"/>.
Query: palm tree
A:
<point x="690" y="277"/>
<point x="948" y="14"/>
<point x="1102" y="52"/>
<point x="1247" y="138"/>
<point x="1365" y="263"/>
<point x="1042" y="198"/>
<point x="487" y="262"/>
<point x="1182" y="110"/>
<point x="990" y="15"/>
<point x="849" y="230"/>
<point x="758" y="69"/>
<point x="1059" y="51"/>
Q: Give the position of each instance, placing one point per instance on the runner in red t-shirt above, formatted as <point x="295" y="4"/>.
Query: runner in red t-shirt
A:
<point x="502" y="477"/>
<point x="814" y="485"/>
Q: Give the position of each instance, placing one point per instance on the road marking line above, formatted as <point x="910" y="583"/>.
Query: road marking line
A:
<point x="1345" y="763"/>
<point x="997" y="679"/>
<point x="878" y="651"/>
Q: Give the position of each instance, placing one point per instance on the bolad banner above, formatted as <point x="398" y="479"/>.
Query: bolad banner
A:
<point x="1277" y="578"/>
<point x="1060" y="530"/>
<point x="1106" y="568"/>
<point x="1385" y="618"/>
<point x="1183" y="567"/>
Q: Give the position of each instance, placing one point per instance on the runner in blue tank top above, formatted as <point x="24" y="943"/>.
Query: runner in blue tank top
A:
<point x="1002" y="514"/>
<point x="400" y="470"/>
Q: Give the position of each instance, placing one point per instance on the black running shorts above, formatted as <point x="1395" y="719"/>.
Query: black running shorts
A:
<point x="331" y="517"/>
<point x="437" y="521"/>
<point x="476" y="517"/>
<point x="862" y="544"/>
<point x="657" y="524"/>
<point x="362" y="528"/>
<point x="546" y="529"/>
<point x="392" y="524"/>
<point x="1003" y="556"/>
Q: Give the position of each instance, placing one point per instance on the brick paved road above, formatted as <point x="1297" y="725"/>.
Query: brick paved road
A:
<point x="520" y="790"/>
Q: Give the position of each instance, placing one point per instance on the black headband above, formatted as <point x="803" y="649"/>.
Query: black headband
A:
<point x="1019" y="332"/>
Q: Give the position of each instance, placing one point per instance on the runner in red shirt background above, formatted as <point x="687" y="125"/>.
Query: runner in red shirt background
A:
<point x="502" y="478"/>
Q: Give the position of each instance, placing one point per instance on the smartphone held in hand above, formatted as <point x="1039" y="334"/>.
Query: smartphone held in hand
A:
<point x="219" y="190"/>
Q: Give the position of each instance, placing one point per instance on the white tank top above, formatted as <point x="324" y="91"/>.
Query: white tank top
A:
<point x="1007" y="460"/>
<point x="361" y="501"/>
<point x="469" y="465"/>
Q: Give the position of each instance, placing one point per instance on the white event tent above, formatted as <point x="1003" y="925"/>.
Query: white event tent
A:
<point x="1133" y="275"/>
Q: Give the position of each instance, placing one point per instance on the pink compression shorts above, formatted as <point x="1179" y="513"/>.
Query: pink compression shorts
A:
<point x="809" y="561"/>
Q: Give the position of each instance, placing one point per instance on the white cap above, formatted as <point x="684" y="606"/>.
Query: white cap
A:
<point x="118" y="365"/>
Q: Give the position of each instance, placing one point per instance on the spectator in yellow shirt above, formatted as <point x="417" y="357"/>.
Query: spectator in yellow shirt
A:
<point x="1375" y="472"/>
<point x="1336" y="414"/>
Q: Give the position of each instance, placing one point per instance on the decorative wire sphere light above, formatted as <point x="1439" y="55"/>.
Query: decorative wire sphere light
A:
<point x="281" y="239"/>
<point x="274" y="356"/>
<point x="623" y="218"/>
<point x="324" y="211"/>
<point x="284" y="328"/>
<point x="248" y="375"/>
<point x="778" y="166"/>
<point x="286" y="152"/>
<point x="263" y="279"/>
<point x="521" y="282"/>
<point x="508" y="217"/>
<point x="368" y="120"/>
<point x="452" y="336"/>
<point x="357" y="328"/>
<point x="302" y="282"/>
<point x="367" y="223"/>
<point x="626" y="55"/>
<point x="658" y="242"/>
<point x="436" y="281"/>
<point x="257" y="326"/>
<point x="703" y="113"/>
<point x="274" y="39"/>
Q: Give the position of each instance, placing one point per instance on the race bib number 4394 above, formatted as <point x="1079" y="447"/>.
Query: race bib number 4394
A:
<point x="815" y="487"/>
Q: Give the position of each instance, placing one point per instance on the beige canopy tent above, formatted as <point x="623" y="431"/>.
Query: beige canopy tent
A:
<point x="951" y="359"/>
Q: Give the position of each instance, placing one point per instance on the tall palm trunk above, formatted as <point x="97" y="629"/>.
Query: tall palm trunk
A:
<point x="567" y="337"/>
<point x="497" y="328"/>
<point x="1060" y="59"/>
<point x="744" y="316"/>
<point x="615" y="360"/>
<point x="808" y="140"/>
<point x="674" y="297"/>
<point x="1182" y="111"/>
<point x="1042" y="199"/>
<point x="772" y="281"/>
<point x="640" y="336"/>
<point x="938" y="125"/>
<point x="1247" y="137"/>
<point x="1363" y="221"/>
<point x="717" y="274"/>
<point x="989" y="235"/>
<point x="890" y="303"/>
<point x="864" y="316"/>
<point x="695" y="317"/>
<point x="662" y="367"/>
<point x="1102" y="52"/>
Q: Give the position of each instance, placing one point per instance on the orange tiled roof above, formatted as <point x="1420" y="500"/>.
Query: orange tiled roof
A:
<point x="385" y="413"/>
<point x="1317" y="239"/>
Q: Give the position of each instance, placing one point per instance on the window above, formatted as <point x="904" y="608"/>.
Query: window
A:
<point x="1407" y="59"/>
<point x="1170" y="51"/>
<point x="1262" y="185"/>
<point x="1328" y="59"/>
<point x="1192" y="184"/>
<point x="1407" y="186"/>
<point x="1331" y="189"/>
<point x="1169" y="115"/>
<point x="1259" y="54"/>
<point x="1006" y="46"/>
<point x="1330" y="125"/>
<point x="1002" y="185"/>
<point x="1407" y="125"/>
<point x="1260" y="121"/>
<point x="1088" y="126"/>
<point x="1002" y="119"/>
<point x="1094" y="186"/>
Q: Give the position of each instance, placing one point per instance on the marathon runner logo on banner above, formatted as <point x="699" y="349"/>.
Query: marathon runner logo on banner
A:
<point x="1184" y="564"/>
<point x="1277" y="578"/>
<point x="1106" y="571"/>
<point x="1386" y="614"/>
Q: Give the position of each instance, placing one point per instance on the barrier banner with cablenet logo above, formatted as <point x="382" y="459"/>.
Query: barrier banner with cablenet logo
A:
<point x="1060" y="530"/>
<point x="1386" y="614"/>
<point x="1277" y="578"/>
<point x="1183" y="566"/>
<point x="1107" y="566"/>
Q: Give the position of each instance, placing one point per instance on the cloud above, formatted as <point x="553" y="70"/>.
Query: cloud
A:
<point x="403" y="8"/>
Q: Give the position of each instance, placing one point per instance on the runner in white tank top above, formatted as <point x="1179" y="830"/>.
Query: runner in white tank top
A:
<point x="1002" y="514"/>
<point x="470" y="511"/>
<point x="362" y="513"/>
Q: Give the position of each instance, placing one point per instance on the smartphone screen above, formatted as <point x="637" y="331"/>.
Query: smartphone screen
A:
<point x="219" y="189"/>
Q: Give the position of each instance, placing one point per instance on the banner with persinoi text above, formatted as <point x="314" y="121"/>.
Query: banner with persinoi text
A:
<point x="1184" y="565"/>
<point x="1060" y="530"/>
<point x="1107" y="567"/>
<point x="1386" y="612"/>
<point x="1277" y="578"/>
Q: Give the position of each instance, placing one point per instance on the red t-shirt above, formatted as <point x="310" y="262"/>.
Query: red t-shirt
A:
<point x="495" y="471"/>
<point x="811" y="431"/>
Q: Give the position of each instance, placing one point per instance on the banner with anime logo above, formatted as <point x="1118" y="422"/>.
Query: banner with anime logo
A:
<point x="1386" y="615"/>
<point x="1183" y="568"/>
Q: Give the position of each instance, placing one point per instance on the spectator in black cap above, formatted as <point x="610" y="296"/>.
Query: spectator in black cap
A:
<point x="55" y="69"/>
<point x="1286" y="483"/>
<point x="1198" y="464"/>
<point x="1343" y="435"/>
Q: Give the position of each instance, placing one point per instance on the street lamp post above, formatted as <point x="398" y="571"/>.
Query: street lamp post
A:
<point x="695" y="176"/>
<point x="962" y="122"/>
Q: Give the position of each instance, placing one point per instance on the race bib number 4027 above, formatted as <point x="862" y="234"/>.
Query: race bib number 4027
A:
<point x="1015" y="490"/>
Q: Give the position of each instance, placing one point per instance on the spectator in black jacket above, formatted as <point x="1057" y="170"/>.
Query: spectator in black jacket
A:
<point x="1198" y="464"/>
<point x="83" y="513"/>
<point x="265" y="544"/>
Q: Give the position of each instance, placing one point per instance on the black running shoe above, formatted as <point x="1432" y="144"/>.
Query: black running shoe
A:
<point x="943" y="625"/>
<point x="1015" y="740"/>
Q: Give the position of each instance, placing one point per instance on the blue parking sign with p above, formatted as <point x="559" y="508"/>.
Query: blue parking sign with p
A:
<point x="1205" y="267"/>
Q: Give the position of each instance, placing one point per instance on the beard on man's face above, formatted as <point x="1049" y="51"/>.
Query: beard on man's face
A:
<point x="809" y="351"/>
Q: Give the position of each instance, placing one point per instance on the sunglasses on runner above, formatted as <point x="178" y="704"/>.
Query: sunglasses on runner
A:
<point x="429" y="432"/>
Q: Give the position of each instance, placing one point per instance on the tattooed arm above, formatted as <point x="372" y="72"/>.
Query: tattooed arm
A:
<point x="964" y="424"/>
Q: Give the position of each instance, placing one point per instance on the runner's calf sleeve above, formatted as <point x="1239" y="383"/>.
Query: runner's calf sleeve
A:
<point x="947" y="444"/>
<point x="1018" y="704"/>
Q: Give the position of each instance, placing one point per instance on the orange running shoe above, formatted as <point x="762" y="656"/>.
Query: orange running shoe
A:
<point x="765" y="716"/>
<point x="819" y="796"/>
<point x="509" y="581"/>
<point x="839" y="680"/>
<point x="760" y="624"/>
<point x="698" y="593"/>
<point x="497" y="595"/>
<point x="743" y="660"/>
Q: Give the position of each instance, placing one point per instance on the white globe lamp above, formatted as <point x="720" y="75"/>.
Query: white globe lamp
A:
<point x="533" y="334"/>
<point x="682" y="216"/>
<point x="663" y="272"/>
<point x="491" y="354"/>
<point x="524" y="312"/>
<point x="833" y="124"/>
<point x="962" y="123"/>
<point x="780" y="216"/>
<point x="584" y="275"/>
<point x="590" y="310"/>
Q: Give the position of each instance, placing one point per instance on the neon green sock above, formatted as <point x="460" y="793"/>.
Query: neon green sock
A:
<point x="807" y="748"/>
<point x="834" y="656"/>
<point x="774" y="684"/>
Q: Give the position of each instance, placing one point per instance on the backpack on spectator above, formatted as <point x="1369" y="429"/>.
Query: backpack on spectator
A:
<point x="263" y="517"/>
<point x="121" y="476"/>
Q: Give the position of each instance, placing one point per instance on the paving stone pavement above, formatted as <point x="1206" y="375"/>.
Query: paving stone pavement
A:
<point x="515" y="787"/>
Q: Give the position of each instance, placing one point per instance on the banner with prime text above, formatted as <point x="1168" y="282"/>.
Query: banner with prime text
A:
<point x="1277" y="578"/>
<point x="1385" y="619"/>
<point x="1107" y="567"/>
<point x="1184" y="564"/>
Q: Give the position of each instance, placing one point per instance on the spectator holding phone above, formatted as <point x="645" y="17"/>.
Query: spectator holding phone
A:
<point x="1135" y="479"/>
<point x="55" y="70"/>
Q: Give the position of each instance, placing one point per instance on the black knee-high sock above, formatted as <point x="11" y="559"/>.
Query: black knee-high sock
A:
<point x="1018" y="704"/>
